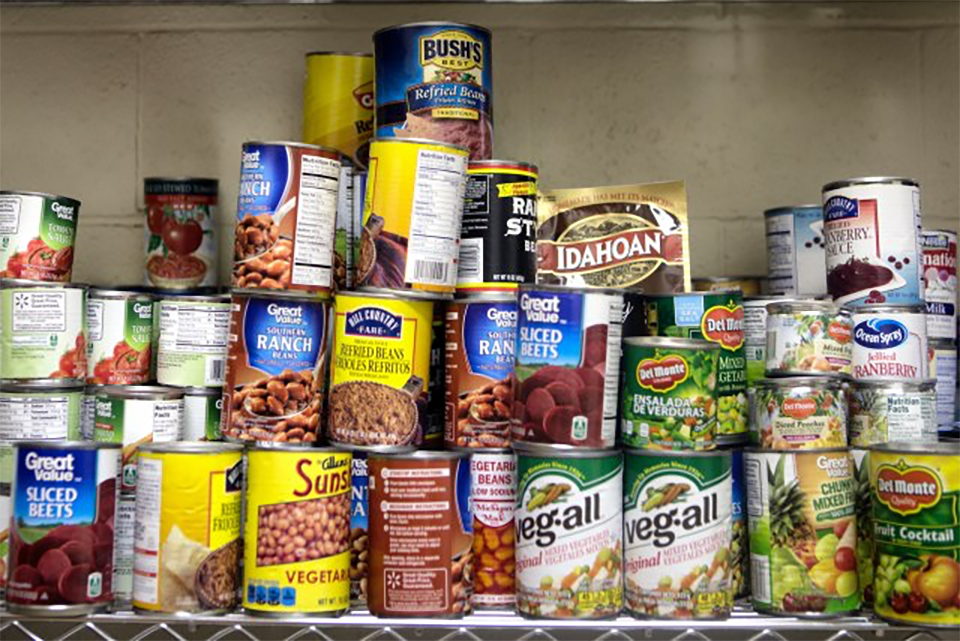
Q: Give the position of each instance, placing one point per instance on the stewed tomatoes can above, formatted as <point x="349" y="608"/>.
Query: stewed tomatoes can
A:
<point x="181" y="241"/>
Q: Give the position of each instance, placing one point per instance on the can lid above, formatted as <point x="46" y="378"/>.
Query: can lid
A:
<point x="720" y="291"/>
<point x="202" y="391"/>
<point x="431" y="23"/>
<point x="805" y="305"/>
<point x="16" y="385"/>
<point x="352" y="54"/>
<point x="383" y="295"/>
<point x="147" y="392"/>
<point x="69" y="445"/>
<point x="273" y="294"/>
<point x="480" y="165"/>
<point x="421" y="455"/>
<point x="119" y="294"/>
<point x="787" y="209"/>
<point x="833" y="382"/>
<point x="290" y="143"/>
<point x="469" y="296"/>
<point x="948" y="448"/>
<point x="812" y="450"/>
<point x="566" y="289"/>
<point x="191" y="447"/>
<point x="42" y="194"/>
<point x="870" y="180"/>
<point x="301" y="448"/>
<point x="194" y="298"/>
<point x="679" y="454"/>
<point x="553" y="450"/>
<point x="210" y="182"/>
<point x="890" y="309"/>
<point x="23" y="283"/>
<point x="671" y="341"/>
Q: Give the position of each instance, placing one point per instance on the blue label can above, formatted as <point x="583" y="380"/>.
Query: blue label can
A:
<point x="740" y="541"/>
<point x="359" y="530"/>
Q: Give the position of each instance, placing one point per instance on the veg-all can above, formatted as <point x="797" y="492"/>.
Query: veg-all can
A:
<point x="61" y="531"/>
<point x="943" y="367"/>
<point x="192" y="348"/>
<point x="297" y="533"/>
<point x="345" y="236"/>
<point x="119" y="335"/>
<point x="890" y="342"/>
<point x="795" y="257"/>
<point x="865" y="542"/>
<point x="755" y="335"/>
<point x="808" y="338"/>
<point x="180" y="239"/>
<point x="740" y="539"/>
<point x="187" y="543"/>
<point x="37" y="232"/>
<point x="894" y="410"/>
<point x="412" y="211"/>
<point x="124" y="524"/>
<point x="799" y="413"/>
<point x="286" y="217"/>
<point x="748" y="285"/>
<point x="359" y="530"/>
<point x="338" y="102"/>
<point x="493" y="497"/>
<point x="677" y="529"/>
<point x="202" y="407"/>
<point x="940" y="282"/>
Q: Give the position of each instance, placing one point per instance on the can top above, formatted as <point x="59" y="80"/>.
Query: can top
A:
<point x="290" y="143"/>
<point x="148" y="392"/>
<point x="119" y="294"/>
<point x="870" y="180"/>
<point x="307" y="297"/>
<point x="69" y="445"/>
<point x="679" y="454"/>
<point x="806" y="305"/>
<point x="904" y="384"/>
<point x="786" y="209"/>
<point x="42" y="194"/>
<point x="352" y="54"/>
<point x="191" y="447"/>
<point x="195" y="298"/>
<point x="301" y="448"/>
<point x="813" y="450"/>
<point x="899" y="447"/>
<point x="202" y="391"/>
<point x="480" y="165"/>
<point x="766" y="299"/>
<point x="209" y="182"/>
<point x="23" y="283"/>
<point x="565" y="289"/>
<point x="480" y="451"/>
<point x="431" y="23"/>
<point x="420" y="455"/>
<point x="550" y="450"/>
<point x="715" y="279"/>
<point x="422" y="141"/>
<point x="890" y="309"/>
<point x="17" y="385"/>
<point x="820" y="382"/>
<point x="935" y="232"/>
<point x="382" y="295"/>
<point x="484" y="297"/>
<point x="671" y="341"/>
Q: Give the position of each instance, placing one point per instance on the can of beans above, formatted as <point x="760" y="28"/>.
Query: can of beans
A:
<point x="192" y="347"/>
<point x="890" y="341"/>
<point x="795" y="260"/>
<point x="359" y="197"/>
<point x="410" y="238"/>
<point x="124" y="522"/>
<point x="421" y="535"/>
<point x="345" y="237"/>
<point x="799" y="413"/>
<point x="202" y="407"/>
<point x="37" y="235"/>
<point x="43" y="331"/>
<point x="808" y="337"/>
<point x="338" y="102"/>
<point x="480" y="341"/>
<point x="62" y="528"/>
<point x="939" y="248"/>
<point x="286" y="217"/>
<point x="493" y="498"/>
<point x="119" y="335"/>
<point x="498" y="238"/>
<point x="297" y="532"/>
<point x="276" y="368"/>
<point x="180" y="238"/>
<point x="892" y="410"/>
<point x="359" y="530"/>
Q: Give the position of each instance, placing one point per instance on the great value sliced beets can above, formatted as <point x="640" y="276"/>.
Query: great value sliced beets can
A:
<point x="36" y="236"/>
<point x="795" y="260"/>
<point x="890" y="341"/>
<point x="940" y="282"/>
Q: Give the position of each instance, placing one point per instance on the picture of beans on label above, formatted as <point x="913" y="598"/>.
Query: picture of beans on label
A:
<point x="493" y="497"/>
<point x="37" y="235"/>
<point x="181" y="247"/>
<point x="359" y="530"/>
<point x="808" y="337"/>
<point x="799" y="413"/>
<point x="120" y="332"/>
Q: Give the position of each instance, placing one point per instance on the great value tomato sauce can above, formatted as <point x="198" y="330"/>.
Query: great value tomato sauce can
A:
<point x="119" y="333"/>
<point x="181" y="241"/>
<point x="37" y="233"/>
<point x="192" y="343"/>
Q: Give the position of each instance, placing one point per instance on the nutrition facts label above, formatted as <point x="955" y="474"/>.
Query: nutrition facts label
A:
<point x="194" y="329"/>
<point x="611" y="388"/>
<point x="146" y="532"/>
<point x="94" y="320"/>
<point x="123" y="522"/>
<point x="9" y="215"/>
<point x="316" y="218"/>
<point x="780" y="252"/>
<point x="40" y="311"/>
<point x="30" y="419"/>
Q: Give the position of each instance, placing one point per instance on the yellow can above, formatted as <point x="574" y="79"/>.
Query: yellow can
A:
<point x="297" y="532"/>
<point x="338" y="102"/>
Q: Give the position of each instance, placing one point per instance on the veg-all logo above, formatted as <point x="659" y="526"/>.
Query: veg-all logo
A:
<point x="724" y="325"/>
<point x="799" y="408"/>
<point x="373" y="321"/>
<point x="881" y="333"/>
<point x="907" y="489"/>
<point x="840" y="207"/>
<point x="453" y="50"/>
<point x="364" y="95"/>
<point x="662" y="374"/>
<point x="840" y="332"/>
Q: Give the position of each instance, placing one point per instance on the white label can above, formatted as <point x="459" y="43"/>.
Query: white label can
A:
<point x="795" y="260"/>
<point x="940" y="282"/>
<point x="943" y="366"/>
<point x="493" y="495"/>
<point x="890" y="342"/>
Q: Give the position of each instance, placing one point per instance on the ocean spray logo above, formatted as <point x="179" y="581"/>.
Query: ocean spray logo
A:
<point x="880" y="333"/>
<point x="373" y="321"/>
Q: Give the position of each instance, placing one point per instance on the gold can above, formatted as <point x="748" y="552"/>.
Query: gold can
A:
<point x="338" y="102"/>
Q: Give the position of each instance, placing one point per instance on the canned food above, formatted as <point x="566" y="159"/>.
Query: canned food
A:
<point x="338" y="102"/>
<point x="286" y="217"/>
<point x="180" y="238"/>
<point x="677" y="529"/>
<point x="421" y="535"/>
<point x="88" y="411"/>
<point x="436" y="403"/>
<point x="894" y="410"/>
<point x="411" y="217"/>
<point x="943" y="367"/>
<point x="202" y="407"/>
<point x="6" y="511"/>
<point x="356" y="223"/>
<point x="480" y="341"/>
<point x="799" y="413"/>
<point x="61" y="531"/>
<point x="940" y="282"/>
<point x="748" y="285"/>
<point x="806" y="337"/>
<point x="890" y="342"/>
<point x="871" y="228"/>
<point x="740" y="541"/>
<point x="345" y="236"/>
<point x="297" y="532"/>
<point x="359" y="530"/>
<point x="42" y="330"/>
<point x="493" y="497"/>
<point x="187" y="540"/>
<point x="865" y="527"/>
<point x="119" y="335"/>
<point x="755" y="335"/>
<point x="124" y="522"/>
<point x="434" y="80"/>
<point x="795" y="257"/>
<point x="36" y="236"/>
<point x="192" y="348"/>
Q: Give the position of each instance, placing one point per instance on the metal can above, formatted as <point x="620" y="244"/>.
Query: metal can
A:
<point x="748" y="285"/>
<point x="892" y="410"/>
<point x="43" y="330"/>
<point x="338" y="102"/>
<point x="124" y="524"/>
<point x="803" y="536"/>
<point x="37" y="233"/>
<point x="359" y="530"/>
<point x="6" y="511"/>
<point x="88" y="411"/>
<point x="356" y="222"/>
<point x="297" y="532"/>
<point x="436" y="402"/>
<point x="62" y="528"/>
<point x="755" y="335"/>
<point x="119" y="335"/>
<point x="890" y="342"/>
<point x="192" y="347"/>
<point x="345" y="236"/>
<point x="498" y="238"/>
<point x="943" y="367"/>
<point x="795" y="257"/>
<point x="939" y="248"/>
<point x="865" y="528"/>
<point x="480" y="343"/>
<point x="421" y="535"/>
<point x="187" y="542"/>
<point x="202" y="407"/>
<point x="739" y="562"/>
<point x="493" y="498"/>
<point x="434" y="80"/>
<point x="808" y="337"/>
<point x="411" y="217"/>
<point x="180" y="235"/>
<point x="677" y="530"/>
<point x="871" y="228"/>
<point x="799" y="413"/>
<point x="286" y="217"/>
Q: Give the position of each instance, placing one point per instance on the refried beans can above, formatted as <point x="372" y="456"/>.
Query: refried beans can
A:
<point x="37" y="233"/>
<point x="192" y="347"/>
<point x="180" y="238"/>
<point x="943" y="367"/>
<point x="379" y="371"/>
<point x="493" y="498"/>
<point x="188" y="523"/>
<point x="359" y="530"/>
<point x="434" y="80"/>
<point x="940" y="282"/>
<point x="119" y="336"/>
<point x="286" y="217"/>
<point x="890" y="341"/>
<point x="421" y="535"/>
<point x="480" y="344"/>
<point x="799" y="413"/>
<point x="567" y="364"/>
<point x="62" y="528"/>
<point x="43" y="330"/>
<point x="276" y="368"/>
<point x="795" y="258"/>
<point x="338" y="102"/>
<point x="498" y="235"/>
<point x="871" y="228"/>
<point x="808" y="337"/>
<point x="297" y="532"/>
<point x="202" y="407"/>
<point x="893" y="410"/>
<point x="410" y="240"/>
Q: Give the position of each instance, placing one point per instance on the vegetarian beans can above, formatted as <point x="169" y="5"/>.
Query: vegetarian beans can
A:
<point x="181" y="241"/>
<point x="338" y="102"/>
<point x="569" y="519"/>
<point x="894" y="410"/>
<point x="871" y="228"/>
<point x="795" y="255"/>
<point x="37" y="233"/>
<point x="119" y="337"/>
<point x="276" y="368"/>
<point x="480" y="343"/>
<point x="297" y="532"/>
<point x="677" y="529"/>
<point x="421" y="535"/>
<point x="359" y="530"/>
<point x="43" y="330"/>
<point x="890" y="342"/>
<point x="202" y="407"/>
<point x="801" y="510"/>
<point x="412" y="212"/>
<point x="916" y="494"/>
<point x="286" y="217"/>
<point x="62" y="528"/>
<point x="799" y="413"/>
<point x="493" y="498"/>
<point x="192" y="348"/>
<point x="187" y="542"/>
<point x="940" y="282"/>
<point x="943" y="367"/>
<point x="567" y="365"/>
<point x="807" y="337"/>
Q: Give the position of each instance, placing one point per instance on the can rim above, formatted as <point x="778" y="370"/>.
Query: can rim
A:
<point x="352" y="54"/>
<point x="40" y="384"/>
<point x="716" y="279"/>
<point x="428" y="455"/>
<point x="294" y="294"/>
<point x="194" y="298"/>
<point x="903" y="447"/>
<point x="753" y="449"/>
<point x="697" y="292"/>
<point x="201" y="391"/>
<point x="680" y="454"/>
<point x="420" y="141"/>
<point x="481" y="296"/>
<point x="43" y="194"/>
<point x="507" y="164"/>
<point x="142" y="392"/>
<point x="362" y="293"/>
<point x="903" y="309"/>
<point x="68" y="445"/>
<point x="182" y="179"/>
<point x="783" y="209"/>
<point x="923" y="385"/>
<point x="671" y="341"/>
<point x="870" y="180"/>
<point x="118" y="294"/>
<point x="23" y="283"/>
<point x="770" y="298"/>
<point x="800" y="381"/>
<point x="272" y="446"/>
<point x="191" y="447"/>
<point x="471" y="451"/>
<point x="559" y="450"/>
<point x="409" y="294"/>
<point x="291" y="143"/>
<point x="431" y="23"/>
<point x="564" y="289"/>
<point x="931" y="232"/>
<point x="806" y="304"/>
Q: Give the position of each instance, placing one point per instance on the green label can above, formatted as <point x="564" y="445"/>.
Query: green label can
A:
<point x="865" y="544"/>
<point x="799" y="413"/>
<point x="36" y="236"/>
<point x="192" y="349"/>
<point x="201" y="414"/>
<point x="119" y="328"/>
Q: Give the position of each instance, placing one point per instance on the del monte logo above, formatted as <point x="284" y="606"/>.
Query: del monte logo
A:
<point x="723" y="324"/>
<point x="799" y="408"/>
<point x="839" y="332"/>
<point x="662" y="374"/>
<point x="907" y="489"/>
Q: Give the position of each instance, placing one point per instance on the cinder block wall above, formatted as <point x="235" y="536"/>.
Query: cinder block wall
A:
<point x="753" y="105"/>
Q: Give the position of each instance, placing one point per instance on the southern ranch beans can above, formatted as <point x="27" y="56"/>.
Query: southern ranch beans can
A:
<point x="181" y="243"/>
<point x="37" y="232"/>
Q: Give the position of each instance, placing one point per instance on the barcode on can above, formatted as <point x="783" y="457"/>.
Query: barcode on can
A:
<point x="760" y="578"/>
<point x="428" y="271"/>
<point x="214" y="371"/>
<point x="471" y="259"/>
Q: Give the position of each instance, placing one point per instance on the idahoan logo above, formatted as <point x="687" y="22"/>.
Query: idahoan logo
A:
<point x="453" y="50"/>
<point x="907" y="489"/>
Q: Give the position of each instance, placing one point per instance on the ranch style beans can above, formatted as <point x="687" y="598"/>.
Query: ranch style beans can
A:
<point x="940" y="282"/>
<point x="359" y="530"/>
<point x="345" y="237"/>
<point x="421" y="535"/>
<point x="893" y="410"/>
<point x="799" y="413"/>
<point x="297" y="533"/>
<point x="677" y="531"/>
<point x="37" y="233"/>
<point x="434" y="81"/>
<point x="410" y="239"/>
<point x="493" y="498"/>
<point x="192" y="346"/>
<point x="43" y="332"/>
<point x="890" y="342"/>
<point x="286" y="217"/>
<point x="62" y="528"/>
<point x="795" y="257"/>
<point x="276" y="368"/>
<point x="187" y="541"/>
<point x="202" y="407"/>
<point x="119" y="336"/>
<point x="808" y="337"/>
<point x="567" y="364"/>
<point x="498" y="241"/>
<point x="124" y="523"/>
<point x="338" y="102"/>
<point x="871" y="228"/>
<point x="748" y="285"/>
<point x="943" y="367"/>
<point x="669" y="393"/>
<point x="379" y="371"/>
<point x="180" y="238"/>
<point x="480" y="342"/>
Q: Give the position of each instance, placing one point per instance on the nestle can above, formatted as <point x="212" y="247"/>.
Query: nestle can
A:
<point x="359" y="530"/>
<point x="892" y="410"/>
<point x="943" y="367"/>
<point x="493" y="498"/>
<point x="940" y="281"/>
<point x="338" y="102"/>
<point x="37" y="233"/>
<point x="202" y="407"/>
<point x="119" y="337"/>
<point x="192" y="347"/>
<point x="180" y="238"/>
<point x="795" y="257"/>
<point x="808" y="337"/>
<point x="890" y="341"/>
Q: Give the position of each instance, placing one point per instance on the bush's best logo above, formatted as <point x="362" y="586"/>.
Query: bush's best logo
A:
<point x="799" y="408"/>
<point x="662" y="374"/>
<point x="453" y="50"/>
<point x="724" y="325"/>
<point x="373" y="321"/>
<point x="880" y="333"/>
<point x="907" y="490"/>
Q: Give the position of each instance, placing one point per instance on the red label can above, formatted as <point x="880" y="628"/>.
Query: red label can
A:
<point x="493" y="490"/>
<point x="181" y="246"/>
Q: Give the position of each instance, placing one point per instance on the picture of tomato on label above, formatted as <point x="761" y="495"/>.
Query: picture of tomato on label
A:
<point x="38" y="260"/>
<point x="181" y="249"/>
<point x="73" y="362"/>
<point x="127" y="366"/>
